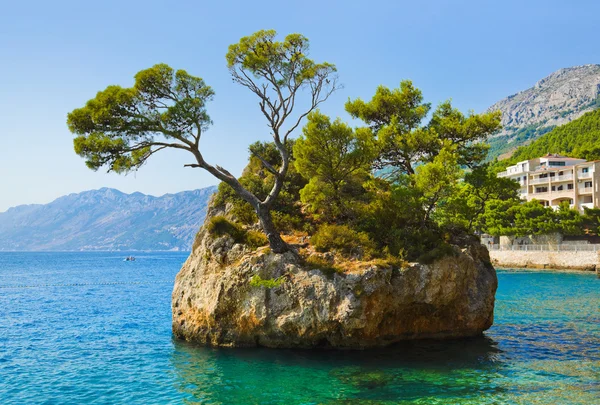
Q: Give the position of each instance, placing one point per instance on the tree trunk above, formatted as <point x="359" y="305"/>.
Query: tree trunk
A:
<point x="275" y="242"/>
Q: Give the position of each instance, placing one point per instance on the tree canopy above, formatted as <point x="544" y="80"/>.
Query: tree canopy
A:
<point x="405" y="141"/>
<point x="403" y="185"/>
<point x="122" y="127"/>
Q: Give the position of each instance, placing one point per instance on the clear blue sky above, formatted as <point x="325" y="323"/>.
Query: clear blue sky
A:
<point x="55" y="55"/>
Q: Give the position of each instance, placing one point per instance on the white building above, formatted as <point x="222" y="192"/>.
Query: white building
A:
<point x="552" y="179"/>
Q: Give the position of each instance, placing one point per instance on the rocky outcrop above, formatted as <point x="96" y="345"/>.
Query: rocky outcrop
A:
<point x="562" y="97"/>
<point x="557" y="99"/>
<point x="217" y="301"/>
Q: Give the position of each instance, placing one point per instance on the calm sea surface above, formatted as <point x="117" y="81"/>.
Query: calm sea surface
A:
<point x="89" y="328"/>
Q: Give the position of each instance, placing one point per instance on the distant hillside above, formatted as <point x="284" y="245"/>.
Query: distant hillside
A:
<point x="106" y="219"/>
<point x="560" y="98"/>
<point x="580" y="138"/>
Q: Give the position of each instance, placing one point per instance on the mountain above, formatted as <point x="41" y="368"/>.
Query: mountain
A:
<point x="560" y="98"/>
<point x="579" y="138"/>
<point x="106" y="219"/>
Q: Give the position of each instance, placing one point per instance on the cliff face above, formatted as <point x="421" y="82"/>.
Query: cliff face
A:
<point x="216" y="303"/>
<point x="563" y="96"/>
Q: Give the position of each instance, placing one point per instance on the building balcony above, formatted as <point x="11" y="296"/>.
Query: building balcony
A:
<point x="545" y="180"/>
<point x="566" y="177"/>
<point x="540" y="196"/>
<point x="585" y="190"/>
<point x="584" y="175"/>
<point x="562" y="194"/>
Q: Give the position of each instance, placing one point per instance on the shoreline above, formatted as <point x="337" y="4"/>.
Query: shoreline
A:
<point x="542" y="260"/>
<point x="514" y="269"/>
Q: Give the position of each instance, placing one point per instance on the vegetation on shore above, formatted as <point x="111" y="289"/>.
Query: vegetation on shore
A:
<point x="505" y="216"/>
<point x="402" y="186"/>
<point x="392" y="190"/>
<point x="380" y="191"/>
<point x="579" y="138"/>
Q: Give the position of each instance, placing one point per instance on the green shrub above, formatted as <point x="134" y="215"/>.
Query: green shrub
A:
<point x="255" y="239"/>
<point x="257" y="281"/>
<point x="344" y="240"/>
<point x="219" y="226"/>
<point x="287" y="222"/>
<point x="319" y="263"/>
<point x="437" y="253"/>
<point x="244" y="213"/>
<point x="391" y="261"/>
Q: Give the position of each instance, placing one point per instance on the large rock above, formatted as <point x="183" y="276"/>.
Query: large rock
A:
<point x="215" y="303"/>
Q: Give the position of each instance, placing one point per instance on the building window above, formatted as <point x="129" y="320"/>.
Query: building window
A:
<point x="585" y="170"/>
<point x="569" y="187"/>
<point x="543" y="176"/>
<point x="557" y="163"/>
<point x="560" y="173"/>
<point x="553" y="188"/>
<point x="551" y="174"/>
<point x="587" y="184"/>
<point x="571" y="201"/>
<point x="560" y="188"/>
<point x="541" y="189"/>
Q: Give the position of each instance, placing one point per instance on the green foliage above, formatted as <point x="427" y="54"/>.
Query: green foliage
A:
<point x="396" y="117"/>
<point x="579" y="138"/>
<point x="591" y="220"/>
<point x="255" y="239"/>
<point x="334" y="158"/>
<point x="522" y="136"/>
<point x="393" y="217"/>
<point x="319" y="263"/>
<point x="260" y="53"/>
<point x="244" y="213"/>
<point x="531" y="218"/>
<point x="394" y="262"/>
<point x="437" y="180"/>
<point x="122" y="127"/>
<point x="286" y="211"/>
<point x="437" y="253"/>
<point x="220" y="226"/>
<point x="466" y="207"/>
<point x="344" y="240"/>
<point x="287" y="222"/>
<point x="257" y="281"/>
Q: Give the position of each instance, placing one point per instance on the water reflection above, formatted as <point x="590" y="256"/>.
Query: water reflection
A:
<point x="544" y="348"/>
<point x="405" y="372"/>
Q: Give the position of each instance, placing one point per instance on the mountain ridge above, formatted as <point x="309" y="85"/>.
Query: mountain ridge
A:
<point x="106" y="219"/>
<point x="557" y="99"/>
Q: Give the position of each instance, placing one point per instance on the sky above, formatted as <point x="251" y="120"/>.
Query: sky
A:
<point x="54" y="56"/>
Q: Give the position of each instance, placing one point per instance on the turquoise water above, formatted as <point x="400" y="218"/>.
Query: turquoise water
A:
<point x="88" y="328"/>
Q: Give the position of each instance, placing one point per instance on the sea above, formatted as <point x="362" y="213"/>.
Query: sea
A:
<point x="91" y="328"/>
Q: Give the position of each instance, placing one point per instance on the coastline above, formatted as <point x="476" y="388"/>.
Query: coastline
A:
<point x="516" y="269"/>
<point x="564" y="260"/>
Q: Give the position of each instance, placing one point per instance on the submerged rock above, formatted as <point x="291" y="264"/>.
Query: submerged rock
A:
<point x="216" y="302"/>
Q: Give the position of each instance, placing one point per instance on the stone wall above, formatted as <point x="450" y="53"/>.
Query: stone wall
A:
<point x="552" y="239"/>
<point x="545" y="260"/>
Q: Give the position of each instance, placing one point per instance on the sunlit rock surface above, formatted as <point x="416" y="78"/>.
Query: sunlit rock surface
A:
<point x="214" y="302"/>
